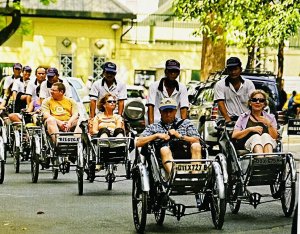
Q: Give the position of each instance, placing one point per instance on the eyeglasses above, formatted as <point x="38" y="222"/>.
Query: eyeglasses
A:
<point x="261" y="100"/>
<point x="111" y="101"/>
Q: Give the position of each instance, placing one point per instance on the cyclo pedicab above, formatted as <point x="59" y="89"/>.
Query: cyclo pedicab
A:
<point x="3" y="142"/>
<point x="104" y="154"/>
<point x="59" y="156"/>
<point x="247" y="170"/>
<point x="152" y="193"/>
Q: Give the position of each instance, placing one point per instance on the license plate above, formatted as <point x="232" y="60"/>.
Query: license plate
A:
<point x="267" y="161"/>
<point x="191" y="167"/>
<point x="68" y="139"/>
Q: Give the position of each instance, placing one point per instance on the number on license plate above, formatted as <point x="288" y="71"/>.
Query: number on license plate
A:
<point x="191" y="167"/>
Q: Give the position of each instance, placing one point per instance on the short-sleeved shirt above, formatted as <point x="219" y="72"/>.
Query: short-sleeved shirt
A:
<point x="100" y="89"/>
<point x="186" y="128"/>
<point x="107" y="122"/>
<point x="157" y="91"/>
<point x="61" y="110"/>
<point x="46" y="86"/>
<point x="8" y="80"/>
<point x="19" y="85"/>
<point x="31" y="88"/>
<point x="236" y="102"/>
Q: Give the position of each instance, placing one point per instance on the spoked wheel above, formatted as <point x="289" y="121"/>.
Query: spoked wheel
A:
<point x="217" y="200"/>
<point x="2" y="171"/>
<point x="275" y="187"/>
<point x="54" y="173"/>
<point x="159" y="211"/>
<point x="92" y="172"/>
<point x="110" y="179"/>
<point x="80" y="180"/>
<point x="34" y="163"/>
<point x="234" y="190"/>
<point x="2" y="160"/>
<point x="128" y="169"/>
<point x="139" y="204"/>
<point x="16" y="155"/>
<point x="288" y="188"/>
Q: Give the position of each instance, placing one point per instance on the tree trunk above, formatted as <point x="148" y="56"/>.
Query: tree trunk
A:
<point x="251" y="54"/>
<point x="10" y="29"/>
<point x="280" y="57"/>
<point x="213" y="57"/>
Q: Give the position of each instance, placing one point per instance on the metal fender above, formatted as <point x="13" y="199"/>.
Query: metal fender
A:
<point x="17" y="138"/>
<point x="4" y="134"/>
<point x="80" y="155"/>
<point x="37" y="144"/>
<point x="219" y="179"/>
<point x="294" y="170"/>
<point x="222" y="160"/>
<point x="144" y="177"/>
<point x="2" y="157"/>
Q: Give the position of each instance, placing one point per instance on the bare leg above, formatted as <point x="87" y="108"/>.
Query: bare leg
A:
<point x="196" y="153"/>
<point x="166" y="155"/>
<point x="268" y="148"/>
<point x="52" y="127"/>
<point x="14" y="117"/>
<point x="258" y="149"/>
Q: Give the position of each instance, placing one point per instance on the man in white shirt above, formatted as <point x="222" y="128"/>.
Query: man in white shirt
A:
<point x="168" y="87"/>
<point x="30" y="92"/>
<point x="53" y="77"/>
<point x="108" y="84"/>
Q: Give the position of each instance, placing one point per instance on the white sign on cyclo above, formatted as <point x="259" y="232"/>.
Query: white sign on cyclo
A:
<point x="293" y="127"/>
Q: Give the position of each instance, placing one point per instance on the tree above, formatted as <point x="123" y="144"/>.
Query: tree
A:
<point x="250" y="24"/>
<point x="14" y="10"/>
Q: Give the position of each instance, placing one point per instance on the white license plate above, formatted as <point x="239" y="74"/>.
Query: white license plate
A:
<point x="191" y="167"/>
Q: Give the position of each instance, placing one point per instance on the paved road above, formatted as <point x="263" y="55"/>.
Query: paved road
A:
<point x="53" y="206"/>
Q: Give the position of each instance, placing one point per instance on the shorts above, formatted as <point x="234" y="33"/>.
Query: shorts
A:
<point x="262" y="140"/>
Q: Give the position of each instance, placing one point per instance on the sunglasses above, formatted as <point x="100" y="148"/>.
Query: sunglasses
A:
<point x="111" y="101"/>
<point x="261" y="100"/>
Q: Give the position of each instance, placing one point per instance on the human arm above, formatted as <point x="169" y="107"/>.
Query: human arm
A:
<point x="271" y="124"/>
<point x="92" y="108"/>
<point x="223" y="110"/>
<point x="183" y="113"/>
<point x="120" y="107"/>
<point x="150" y="114"/>
<point x="95" y="124"/>
<point x="239" y="134"/>
<point x="143" y="140"/>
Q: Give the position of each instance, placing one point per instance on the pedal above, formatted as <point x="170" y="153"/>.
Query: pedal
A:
<point x="255" y="199"/>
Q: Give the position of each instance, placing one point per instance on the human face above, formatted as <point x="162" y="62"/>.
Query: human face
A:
<point x="168" y="115"/>
<point x="110" y="103"/>
<point x="26" y="75"/>
<point x="257" y="102"/>
<point x="17" y="72"/>
<point x="52" y="79"/>
<point x="172" y="74"/>
<point x="40" y="75"/>
<point x="55" y="93"/>
<point x="109" y="76"/>
<point x="234" y="72"/>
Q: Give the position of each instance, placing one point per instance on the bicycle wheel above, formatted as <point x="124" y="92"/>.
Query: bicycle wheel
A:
<point x="128" y="169"/>
<point x="217" y="201"/>
<point x="159" y="211"/>
<point x="16" y="155"/>
<point x="54" y="173"/>
<point x="275" y="187"/>
<point x="2" y="160"/>
<point x="288" y="195"/>
<point x="139" y="204"/>
<point x="80" y="180"/>
<point x="234" y="190"/>
<point x="34" y="161"/>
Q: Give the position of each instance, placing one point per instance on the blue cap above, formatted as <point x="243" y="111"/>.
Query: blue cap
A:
<point x="27" y="68"/>
<point x="17" y="65"/>
<point x="52" y="71"/>
<point x="110" y="67"/>
<point x="172" y="64"/>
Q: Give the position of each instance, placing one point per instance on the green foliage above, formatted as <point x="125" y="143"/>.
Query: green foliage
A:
<point x="244" y="22"/>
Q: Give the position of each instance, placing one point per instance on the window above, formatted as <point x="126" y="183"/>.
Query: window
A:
<point x="98" y="61"/>
<point x="144" y="77"/>
<point x="66" y="62"/>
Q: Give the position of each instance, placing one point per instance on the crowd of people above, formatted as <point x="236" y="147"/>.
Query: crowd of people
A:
<point x="167" y="104"/>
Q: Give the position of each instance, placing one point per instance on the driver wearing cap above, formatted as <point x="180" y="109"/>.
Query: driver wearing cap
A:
<point x="171" y="128"/>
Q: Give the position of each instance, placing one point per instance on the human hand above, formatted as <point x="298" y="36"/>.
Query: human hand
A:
<point x="163" y="136"/>
<point x="257" y="129"/>
<point x="173" y="132"/>
<point x="264" y="120"/>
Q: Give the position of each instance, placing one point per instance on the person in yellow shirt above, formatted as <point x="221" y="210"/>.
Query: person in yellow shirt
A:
<point x="60" y="112"/>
